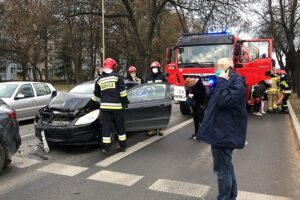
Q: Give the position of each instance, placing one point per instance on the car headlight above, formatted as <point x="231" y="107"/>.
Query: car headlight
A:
<point x="88" y="118"/>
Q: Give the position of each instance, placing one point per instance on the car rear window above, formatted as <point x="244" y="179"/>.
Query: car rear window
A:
<point x="7" y="90"/>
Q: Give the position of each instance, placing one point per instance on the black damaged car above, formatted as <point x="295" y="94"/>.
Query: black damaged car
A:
<point x="69" y="120"/>
<point x="10" y="139"/>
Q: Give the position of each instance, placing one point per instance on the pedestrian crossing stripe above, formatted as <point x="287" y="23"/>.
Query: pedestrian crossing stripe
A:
<point x="180" y="188"/>
<point x="21" y="162"/>
<point x="251" y="196"/>
<point x="116" y="178"/>
<point x="61" y="169"/>
<point x="161" y="185"/>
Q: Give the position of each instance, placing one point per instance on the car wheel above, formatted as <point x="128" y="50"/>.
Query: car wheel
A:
<point x="185" y="110"/>
<point x="2" y="157"/>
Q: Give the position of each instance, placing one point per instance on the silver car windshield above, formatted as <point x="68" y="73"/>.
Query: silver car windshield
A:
<point x="84" y="88"/>
<point x="7" y="90"/>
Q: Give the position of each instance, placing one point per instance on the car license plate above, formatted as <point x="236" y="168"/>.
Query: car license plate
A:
<point x="179" y="93"/>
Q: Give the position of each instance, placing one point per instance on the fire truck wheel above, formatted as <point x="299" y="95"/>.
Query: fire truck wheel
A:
<point x="185" y="110"/>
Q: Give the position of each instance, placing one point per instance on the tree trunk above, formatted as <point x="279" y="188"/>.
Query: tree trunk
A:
<point x="46" y="55"/>
<point x="34" y="72"/>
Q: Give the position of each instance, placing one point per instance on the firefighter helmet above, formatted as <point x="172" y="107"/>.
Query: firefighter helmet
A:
<point x="155" y="64"/>
<point x="282" y="72"/>
<point x="110" y="63"/>
<point x="132" y="69"/>
<point x="276" y="71"/>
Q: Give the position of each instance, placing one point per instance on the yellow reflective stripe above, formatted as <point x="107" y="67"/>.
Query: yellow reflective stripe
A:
<point x="106" y="140"/>
<point x="112" y="107"/>
<point x="108" y="79"/>
<point x="111" y="104"/>
<point x="273" y="89"/>
<point x="94" y="98"/>
<point x="122" y="137"/>
<point x="123" y="93"/>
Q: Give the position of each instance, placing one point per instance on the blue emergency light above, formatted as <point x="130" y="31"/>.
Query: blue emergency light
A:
<point x="211" y="81"/>
<point x="207" y="33"/>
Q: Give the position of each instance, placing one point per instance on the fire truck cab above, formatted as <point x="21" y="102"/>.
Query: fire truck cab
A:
<point x="196" y="54"/>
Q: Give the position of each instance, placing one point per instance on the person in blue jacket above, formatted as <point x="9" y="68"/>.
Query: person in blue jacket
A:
<point x="224" y="126"/>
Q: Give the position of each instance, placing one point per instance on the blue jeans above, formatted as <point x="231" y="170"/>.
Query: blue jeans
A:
<point x="223" y="168"/>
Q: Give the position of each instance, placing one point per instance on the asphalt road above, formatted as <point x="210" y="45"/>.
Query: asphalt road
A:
<point x="166" y="168"/>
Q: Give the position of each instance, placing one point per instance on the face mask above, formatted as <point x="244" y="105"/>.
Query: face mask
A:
<point x="108" y="71"/>
<point x="133" y="75"/>
<point x="218" y="72"/>
<point x="155" y="70"/>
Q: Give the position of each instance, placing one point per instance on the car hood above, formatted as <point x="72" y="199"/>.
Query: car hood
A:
<point x="69" y="101"/>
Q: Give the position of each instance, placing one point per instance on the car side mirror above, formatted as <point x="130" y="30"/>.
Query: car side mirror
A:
<point x="169" y="55"/>
<point x="20" y="96"/>
<point x="237" y="51"/>
<point x="54" y="94"/>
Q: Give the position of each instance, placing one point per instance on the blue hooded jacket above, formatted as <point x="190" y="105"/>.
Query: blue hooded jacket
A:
<point x="225" y="120"/>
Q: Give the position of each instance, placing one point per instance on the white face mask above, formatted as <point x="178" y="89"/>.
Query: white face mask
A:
<point x="133" y="75"/>
<point x="108" y="71"/>
<point x="155" y="70"/>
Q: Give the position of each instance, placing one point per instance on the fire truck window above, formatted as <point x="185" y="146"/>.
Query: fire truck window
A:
<point x="203" y="54"/>
<point x="254" y="50"/>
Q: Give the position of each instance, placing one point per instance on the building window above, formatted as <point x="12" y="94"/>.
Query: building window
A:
<point x="13" y="70"/>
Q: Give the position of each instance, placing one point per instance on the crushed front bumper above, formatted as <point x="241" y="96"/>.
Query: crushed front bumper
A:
<point x="68" y="133"/>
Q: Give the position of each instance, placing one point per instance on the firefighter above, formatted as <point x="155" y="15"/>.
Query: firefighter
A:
<point x="285" y="90"/>
<point x="273" y="92"/>
<point x="156" y="75"/>
<point x="111" y="89"/>
<point x="132" y="76"/>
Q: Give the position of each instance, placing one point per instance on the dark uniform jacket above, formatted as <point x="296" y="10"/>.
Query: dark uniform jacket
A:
<point x="199" y="95"/>
<point x="111" y="89"/>
<point x="156" y="78"/>
<point x="225" y="120"/>
<point x="136" y="80"/>
<point x="284" y="85"/>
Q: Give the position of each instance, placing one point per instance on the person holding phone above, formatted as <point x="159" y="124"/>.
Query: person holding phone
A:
<point x="195" y="92"/>
<point x="224" y="125"/>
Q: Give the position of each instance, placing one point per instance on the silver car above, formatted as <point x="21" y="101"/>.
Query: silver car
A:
<point x="26" y="98"/>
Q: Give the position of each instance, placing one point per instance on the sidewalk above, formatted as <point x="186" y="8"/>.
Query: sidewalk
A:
<point x="294" y="109"/>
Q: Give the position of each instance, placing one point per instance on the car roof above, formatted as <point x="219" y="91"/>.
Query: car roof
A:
<point x="20" y="82"/>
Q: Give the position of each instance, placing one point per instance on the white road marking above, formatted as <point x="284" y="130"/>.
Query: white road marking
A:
<point x="21" y="162"/>
<point x="256" y="196"/>
<point x="25" y="136"/>
<point x="60" y="169"/>
<point x="181" y="188"/>
<point x="27" y="126"/>
<point x="115" y="178"/>
<point x="112" y="159"/>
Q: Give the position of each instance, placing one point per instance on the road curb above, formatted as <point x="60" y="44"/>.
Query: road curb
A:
<point x="295" y="122"/>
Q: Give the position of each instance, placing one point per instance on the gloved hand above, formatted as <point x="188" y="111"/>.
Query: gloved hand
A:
<point x="125" y="105"/>
<point x="92" y="105"/>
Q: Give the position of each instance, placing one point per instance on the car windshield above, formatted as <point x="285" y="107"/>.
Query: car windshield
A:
<point x="204" y="56"/>
<point x="83" y="88"/>
<point x="7" y="90"/>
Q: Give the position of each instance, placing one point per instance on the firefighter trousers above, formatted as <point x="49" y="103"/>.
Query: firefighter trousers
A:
<point x="272" y="102"/>
<point x="110" y="118"/>
<point x="284" y="102"/>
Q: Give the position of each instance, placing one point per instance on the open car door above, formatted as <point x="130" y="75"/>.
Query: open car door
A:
<point x="254" y="60"/>
<point x="150" y="107"/>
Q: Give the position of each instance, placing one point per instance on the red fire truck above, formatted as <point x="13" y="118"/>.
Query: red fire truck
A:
<point x="196" y="55"/>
